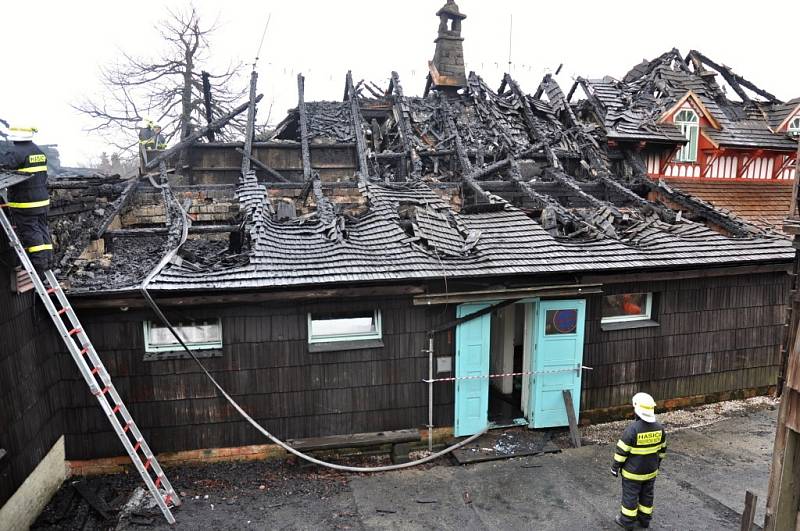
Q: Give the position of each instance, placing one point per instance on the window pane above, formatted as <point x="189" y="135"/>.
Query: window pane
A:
<point x="561" y="321"/>
<point x="207" y="333"/>
<point x="627" y="305"/>
<point x="692" y="155"/>
<point x="352" y="325"/>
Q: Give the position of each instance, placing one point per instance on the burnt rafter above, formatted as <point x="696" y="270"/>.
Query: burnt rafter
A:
<point x="303" y="112"/>
<point x="358" y="129"/>
<point x="530" y="122"/>
<point x="557" y="172"/>
<point x="733" y="79"/>
<point x="402" y="118"/>
<point x="463" y="159"/>
<point x="549" y="205"/>
<point x="590" y="149"/>
<point x="706" y="211"/>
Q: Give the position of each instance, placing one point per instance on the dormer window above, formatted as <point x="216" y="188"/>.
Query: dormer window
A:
<point x="689" y="124"/>
<point x="794" y="127"/>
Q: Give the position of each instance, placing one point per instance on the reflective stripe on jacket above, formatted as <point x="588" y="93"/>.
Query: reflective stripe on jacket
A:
<point x="640" y="450"/>
<point x="31" y="196"/>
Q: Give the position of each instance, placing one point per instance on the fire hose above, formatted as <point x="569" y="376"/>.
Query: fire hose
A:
<point x="163" y="318"/>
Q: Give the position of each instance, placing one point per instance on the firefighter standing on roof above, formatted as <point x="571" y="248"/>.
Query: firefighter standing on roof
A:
<point x="29" y="200"/>
<point x="638" y="456"/>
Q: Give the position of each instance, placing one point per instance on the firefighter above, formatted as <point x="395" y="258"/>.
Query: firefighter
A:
<point x="29" y="200"/>
<point x="158" y="139"/>
<point x="638" y="457"/>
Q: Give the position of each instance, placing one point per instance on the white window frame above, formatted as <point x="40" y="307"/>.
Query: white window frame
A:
<point x="647" y="316"/>
<point x="689" y="126"/>
<point x="333" y="338"/>
<point x="794" y="126"/>
<point x="173" y="347"/>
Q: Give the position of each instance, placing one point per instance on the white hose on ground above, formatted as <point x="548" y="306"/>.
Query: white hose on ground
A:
<point x="243" y="413"/>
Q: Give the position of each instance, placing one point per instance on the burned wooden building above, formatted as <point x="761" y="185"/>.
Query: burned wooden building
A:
<point x="321" y="274"/>
<point x="702" y="128"/>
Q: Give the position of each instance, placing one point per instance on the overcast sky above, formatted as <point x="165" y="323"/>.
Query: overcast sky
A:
<point x="53" y="50"/>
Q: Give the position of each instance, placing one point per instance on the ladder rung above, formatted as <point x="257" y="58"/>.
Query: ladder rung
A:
<point x="127" y="427"/>
<point x="137" y="446"/>
<point x="62" y="311"/>
<point x="84" y="350"/>
<point x="74" y="331"/>
<point x="102" y="391"/>
<point x="51" y="290"/>
<point x="158" y="481"/>
<point x="147" y="463"/>
<point x="168" y="498"/>
<point x="116" y="408"/>
<point x="95" y="370"/>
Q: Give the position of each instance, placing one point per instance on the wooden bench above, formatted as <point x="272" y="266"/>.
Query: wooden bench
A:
<point x="398" y="439"/>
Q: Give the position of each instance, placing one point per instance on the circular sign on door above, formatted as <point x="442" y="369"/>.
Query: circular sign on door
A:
<point x="561" y="321"/>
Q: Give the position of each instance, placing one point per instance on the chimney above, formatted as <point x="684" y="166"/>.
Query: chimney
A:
<point x="447" y="67"/>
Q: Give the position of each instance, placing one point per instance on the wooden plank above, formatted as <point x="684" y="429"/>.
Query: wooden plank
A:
<point x="489" y="295"/>
<point x="355" y="440"/>
<point x="108" y="300"/>
<point x="261" y="165"/>
<point x="574" y="432"/>
<point x="686" y="274"/>
<point x="749" y="514"/>
<point x="191" y="139"/>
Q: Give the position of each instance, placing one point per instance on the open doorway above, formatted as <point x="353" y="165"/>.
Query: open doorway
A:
<point x="506" y="356"/>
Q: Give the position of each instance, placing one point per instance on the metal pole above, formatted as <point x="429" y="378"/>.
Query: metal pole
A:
<point x="430" y="393"/>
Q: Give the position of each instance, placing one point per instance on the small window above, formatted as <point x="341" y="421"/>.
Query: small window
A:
<point x="559" y="322"/>
<point x="627" y="307"/>
<point x="354" y="326"/>
<point x="794" y="126"/>
<point x="203" y="334"/>
<point x="688" y="123"/>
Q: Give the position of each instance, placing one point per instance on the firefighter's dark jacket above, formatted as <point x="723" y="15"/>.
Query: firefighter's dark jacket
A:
<point x="640" y="450"/>
<point x="31" y="196"/>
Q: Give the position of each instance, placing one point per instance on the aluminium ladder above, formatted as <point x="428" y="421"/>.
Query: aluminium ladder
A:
<point x="98" y="379"/>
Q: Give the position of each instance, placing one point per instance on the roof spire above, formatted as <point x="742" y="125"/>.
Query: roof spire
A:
<point x="447" y="67"/>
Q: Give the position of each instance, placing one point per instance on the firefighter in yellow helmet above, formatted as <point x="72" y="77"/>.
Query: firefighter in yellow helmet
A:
<point x="29" y="200"/>
<point x="638" y="457"/>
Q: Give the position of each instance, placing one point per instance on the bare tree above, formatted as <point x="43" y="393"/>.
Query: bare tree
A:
<point x="167" y="88"/>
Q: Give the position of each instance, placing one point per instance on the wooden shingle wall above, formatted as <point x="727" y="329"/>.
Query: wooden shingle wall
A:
<point x="714" y="335"/>
<point x="265" y="364"/>
<point x="30" y="385"/>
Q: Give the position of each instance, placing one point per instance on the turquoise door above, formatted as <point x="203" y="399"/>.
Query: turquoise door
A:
<point x="557" y="347"/>
<point x="472" y="359"/>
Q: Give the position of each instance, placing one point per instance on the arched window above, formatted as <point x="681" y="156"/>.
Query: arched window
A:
<point x="794" y="126"/>
<point x="689" y="125"/>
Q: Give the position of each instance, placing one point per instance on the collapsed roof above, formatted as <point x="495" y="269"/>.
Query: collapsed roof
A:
<point x="451" y="185"/>
<point x="630" y="109"/>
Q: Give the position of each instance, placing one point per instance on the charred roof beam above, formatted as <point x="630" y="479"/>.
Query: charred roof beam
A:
<point x="597" y="165"/>
<point x="463" y="159"/>
<point x="303" y="112"/>
<point x="251" y="124"/>
<point x="733" y="79"/>
<point x="401" y="117"/>
<point x="358" y="129"/>
<point x="203" y="131"/>
<point x="562" y="215"/>
<point x="705" y="210"/>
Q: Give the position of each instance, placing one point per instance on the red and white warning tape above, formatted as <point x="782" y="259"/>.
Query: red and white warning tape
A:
<point x="505" y="375"/>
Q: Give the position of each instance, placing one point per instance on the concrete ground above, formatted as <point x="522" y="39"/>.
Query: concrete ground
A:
<point x="702" y="487"/>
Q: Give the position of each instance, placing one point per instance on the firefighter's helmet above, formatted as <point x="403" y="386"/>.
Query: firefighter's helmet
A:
<point x="645" y="407"/>
<point x="20" y="134"/>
